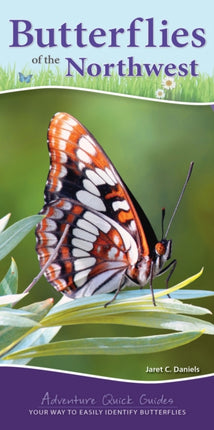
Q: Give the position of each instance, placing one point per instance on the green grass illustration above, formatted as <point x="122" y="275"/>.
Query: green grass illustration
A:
<point x="184" y="89"/>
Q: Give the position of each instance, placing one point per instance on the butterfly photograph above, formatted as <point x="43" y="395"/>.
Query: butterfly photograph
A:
<point x="110" y="243"/>
<point x="123" y="187"/>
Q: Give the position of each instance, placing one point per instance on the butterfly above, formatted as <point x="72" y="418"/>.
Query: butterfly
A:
<point x="23" y="78"/>
<point x="110" y="242"/>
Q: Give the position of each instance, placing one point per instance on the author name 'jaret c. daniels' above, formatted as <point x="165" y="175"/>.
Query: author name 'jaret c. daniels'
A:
<point x="173" y="369"/>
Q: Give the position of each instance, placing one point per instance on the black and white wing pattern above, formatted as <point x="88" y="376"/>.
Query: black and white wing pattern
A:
<point x="109" y="234"/>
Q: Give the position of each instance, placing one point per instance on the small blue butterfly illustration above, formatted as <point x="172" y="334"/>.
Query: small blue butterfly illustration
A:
<point x="23" y="78"/>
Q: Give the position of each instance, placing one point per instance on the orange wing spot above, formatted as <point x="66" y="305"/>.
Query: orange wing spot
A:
<point x="66" y="288"/>
<point x="125" y="216"/>
<point x="51" y="273"/>
<point x="59" y="285"/>
<point x="65" y="255"/>
<point x="43" y="255"/>
<point x="99" y="159"/>
<point x="56" y="154"/>
<point x="68" y="266"/>
<point x="50" y="212"/>
<point x="55" y="170"/>
<point x="60" y="204"/>
<point x="54" y="181"/>
<point x="70" y="218"/>
<point x="44" y="258"/>
<point x="65" y="252"/>
<point x="77" y="210"/>
<point x="43" y="238"/>
<point x="78" y="131"/>
<point x="44" y="224"/>
<point x="70" y="148"/>
<point x="117" y="192"/>
<point x="103" y="246"/>
<point x="111" y="195"/>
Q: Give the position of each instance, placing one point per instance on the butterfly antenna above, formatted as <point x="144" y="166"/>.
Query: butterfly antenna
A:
<point x="162" y="221"/>
<point x="180" y="197"/>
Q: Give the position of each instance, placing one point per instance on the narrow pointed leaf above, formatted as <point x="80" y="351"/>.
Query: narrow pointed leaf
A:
<point x="145" y="315"/>
<point x="109" y="346"/>
<point x="15" y="318"/>
<point x="4" y="221"/>
<point x="10" y="238"/>
<point x="178" y="286"/>
<point x="11" y="299"/>
<point x="179" y="294"/>
<point x="11" y="337"/>
<point x="90" y="310"/>
<point x="9" y="284"/>
<point x="38" y="310"/>
<point x="161" y="320"/>
<point x="39" y="337"/>
<point x="126" y="301"/>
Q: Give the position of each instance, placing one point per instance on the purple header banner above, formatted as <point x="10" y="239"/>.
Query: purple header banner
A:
<point x="37" y="398"/>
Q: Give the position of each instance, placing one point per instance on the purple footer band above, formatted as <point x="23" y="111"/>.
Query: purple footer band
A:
<point x="36" y="399"/>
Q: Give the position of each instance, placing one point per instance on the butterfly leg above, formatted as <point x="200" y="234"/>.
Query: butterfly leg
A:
<point x="116" y="293"/>
<point x="171" y="265"/>
<point x="150" y="284"/>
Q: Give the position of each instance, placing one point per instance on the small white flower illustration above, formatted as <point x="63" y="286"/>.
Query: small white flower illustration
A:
<point x="160" y="94"/>
<point x="168" y="83"/>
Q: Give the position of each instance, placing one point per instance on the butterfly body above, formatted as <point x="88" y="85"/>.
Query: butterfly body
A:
<point x="110" y="242"/>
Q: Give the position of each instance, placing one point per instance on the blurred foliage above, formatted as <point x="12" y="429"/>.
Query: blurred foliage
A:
<point x="151" y="144"/>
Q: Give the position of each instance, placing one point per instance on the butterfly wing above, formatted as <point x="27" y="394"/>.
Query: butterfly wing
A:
<point x="83" y="179"/>
<point x="21" y="77"/>
<point x="28" y="78"/>
<point x="95" y="253"/>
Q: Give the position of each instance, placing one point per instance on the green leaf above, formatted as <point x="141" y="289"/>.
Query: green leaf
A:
<point x="16" y="318"/>
<point x="133" y="311"/>
<point x="38" y="310"/>
<point x="109" y="346"/>
<point x="15" y="233"/>
<point x="10" y="336"/>
<point x="179" y="294"/>
<point x="160" y="320"/>
<point x="181" y="284"/>
<point x="39" y="337"/>
<point x="9" y="284"/>
<point x="143" y="318"/>
<point x="11" y="299"/>
<point x="128" y="309"/>
<point x="93" y="306"/>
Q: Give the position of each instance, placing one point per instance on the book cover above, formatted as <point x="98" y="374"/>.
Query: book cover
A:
<point x="106" y="136"/>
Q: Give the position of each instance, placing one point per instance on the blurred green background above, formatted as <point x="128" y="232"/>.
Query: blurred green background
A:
<point x="151" y="144"/>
